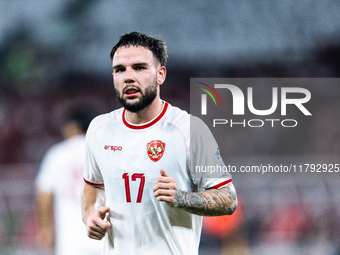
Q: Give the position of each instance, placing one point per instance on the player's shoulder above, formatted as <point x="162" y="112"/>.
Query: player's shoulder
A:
<point x="198" y="127"/>
<point x="54" y="150"/>
<point x="177" y="116"/>
<point x="181" y="117"/>
<point x="66" y="145"/>
<point x="104" y="119"/>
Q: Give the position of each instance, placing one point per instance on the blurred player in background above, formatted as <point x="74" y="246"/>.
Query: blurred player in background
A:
<point x="59" y="183"/>
<point x="140" y="191"/>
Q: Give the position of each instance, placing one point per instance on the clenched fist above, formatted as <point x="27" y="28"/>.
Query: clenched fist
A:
<point x="165" y="188"/>
<point x="96" y="226"/>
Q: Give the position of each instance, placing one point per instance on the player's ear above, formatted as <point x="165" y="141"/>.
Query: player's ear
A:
<point x="161" y="75"/>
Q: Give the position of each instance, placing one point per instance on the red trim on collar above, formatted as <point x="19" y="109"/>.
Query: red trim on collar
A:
<point x="146" y="125"/>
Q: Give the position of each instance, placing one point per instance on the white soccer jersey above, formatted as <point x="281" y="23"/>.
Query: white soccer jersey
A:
<point x="61" y="174"/>
<point x="127" y="159"/>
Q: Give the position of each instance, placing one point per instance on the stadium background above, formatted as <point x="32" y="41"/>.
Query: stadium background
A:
<point x="55" y="53"/>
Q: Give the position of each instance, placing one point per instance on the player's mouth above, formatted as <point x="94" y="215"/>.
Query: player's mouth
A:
<point x="131" y="92"/>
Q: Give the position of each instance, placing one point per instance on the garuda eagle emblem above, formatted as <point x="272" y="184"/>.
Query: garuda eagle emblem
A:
<point x="155" y="150"/>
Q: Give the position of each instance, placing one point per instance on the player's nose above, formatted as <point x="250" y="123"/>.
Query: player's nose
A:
<point x="129" y="76"/>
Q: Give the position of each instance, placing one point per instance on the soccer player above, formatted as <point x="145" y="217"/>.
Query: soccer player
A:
<point x="141" y="192"/>
<point x="59" y="183"/>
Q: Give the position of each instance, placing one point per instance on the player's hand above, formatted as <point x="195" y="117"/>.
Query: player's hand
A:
<point x="165" y="188"/>
<point x="96" y="226"/>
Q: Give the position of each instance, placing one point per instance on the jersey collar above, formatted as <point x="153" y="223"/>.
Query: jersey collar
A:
<point x="148" y="124"/>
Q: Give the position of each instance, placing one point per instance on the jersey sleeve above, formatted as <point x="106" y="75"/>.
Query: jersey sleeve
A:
<point x="92" y="173"/>
<point x="206" y="164"/>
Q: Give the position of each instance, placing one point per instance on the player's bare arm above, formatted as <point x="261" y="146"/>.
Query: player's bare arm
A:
<point x="44" y="210"/>
<point x="213" y="202"/>
<point x="94" y="211"/>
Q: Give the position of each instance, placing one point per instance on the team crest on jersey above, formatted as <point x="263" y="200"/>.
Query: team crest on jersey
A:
<point x="155" y="150"/>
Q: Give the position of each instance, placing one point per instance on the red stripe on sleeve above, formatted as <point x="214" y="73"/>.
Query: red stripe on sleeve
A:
<point x="92" y="183"/>
<point x="220" y="184"/>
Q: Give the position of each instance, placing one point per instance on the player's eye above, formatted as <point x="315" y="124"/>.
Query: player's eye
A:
<point x="140" y="68"/>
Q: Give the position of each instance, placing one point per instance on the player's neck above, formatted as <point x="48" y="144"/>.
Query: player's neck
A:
<point x="147" y="114"/>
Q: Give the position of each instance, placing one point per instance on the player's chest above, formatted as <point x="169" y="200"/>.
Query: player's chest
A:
<point x="131" y="162"/>
<point x="146" y="151"/>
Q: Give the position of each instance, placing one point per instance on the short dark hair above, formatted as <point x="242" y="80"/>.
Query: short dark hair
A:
<point x="155" y="45"/>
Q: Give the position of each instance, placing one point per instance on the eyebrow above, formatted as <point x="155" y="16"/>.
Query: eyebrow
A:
<point x="117" y="66"/>
<point x="135" y="64"/>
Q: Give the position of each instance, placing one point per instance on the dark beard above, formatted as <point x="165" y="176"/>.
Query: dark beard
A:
<point x="145" y="100"/>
